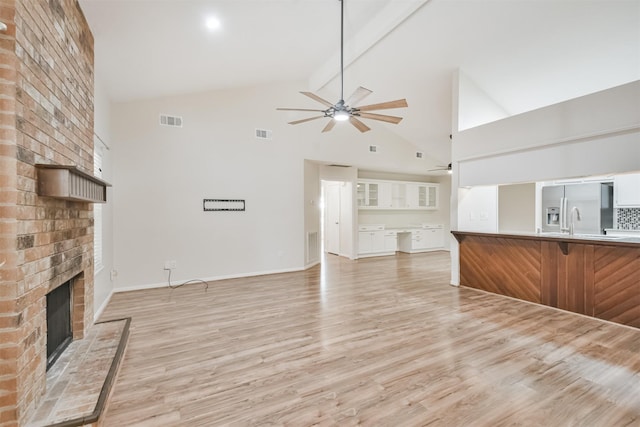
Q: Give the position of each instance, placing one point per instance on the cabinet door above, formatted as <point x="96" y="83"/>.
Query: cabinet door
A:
<point x="432" y="197"/>
<point x="434" y="238"/>
<point x="412" y="197"/>
<point x="422" y="196"/>
<point x="398" y="195"/>
<point x="385" y="192"/>
<point x="361" y="194"/>
<point x="370" y="241"/>
<point x="377" y="241"/>
<point x="626" y="190"/>
<point x="365" y="242"/>
<point x="390" y="242"/>
<point x="373" y="192"/>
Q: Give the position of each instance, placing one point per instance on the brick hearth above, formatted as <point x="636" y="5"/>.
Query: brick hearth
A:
<point x="46" y="116"/>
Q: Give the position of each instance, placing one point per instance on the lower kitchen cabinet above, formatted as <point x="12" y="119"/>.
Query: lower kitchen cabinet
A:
<point x="390" y="241"/>
<point x="421" y="240"/>
<point x="371" y="240"/>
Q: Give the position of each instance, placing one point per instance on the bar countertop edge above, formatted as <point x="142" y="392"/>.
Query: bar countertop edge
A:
<point x="618" y="241"/>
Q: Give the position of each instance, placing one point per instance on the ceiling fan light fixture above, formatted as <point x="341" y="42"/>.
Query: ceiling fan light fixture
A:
<point x="350" y="110"/>
<point x="341" y="116"/>
<point x="213" y="23"/>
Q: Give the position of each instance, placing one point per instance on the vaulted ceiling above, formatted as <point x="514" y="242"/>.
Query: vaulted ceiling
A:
<point x="523" y="54"/>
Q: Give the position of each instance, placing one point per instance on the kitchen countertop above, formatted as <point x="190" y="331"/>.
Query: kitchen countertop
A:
<point x="558" y="237"/>
<point x="632" y="233"/>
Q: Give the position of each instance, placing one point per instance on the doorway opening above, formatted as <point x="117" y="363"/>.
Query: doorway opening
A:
<point x="336" y="218"/>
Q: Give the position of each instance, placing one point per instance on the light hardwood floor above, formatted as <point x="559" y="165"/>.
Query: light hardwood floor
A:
<point x="379" y="341"/>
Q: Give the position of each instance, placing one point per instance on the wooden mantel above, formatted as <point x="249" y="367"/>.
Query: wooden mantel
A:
<point x="599" y="278"/>
<point x="70" y="183"/>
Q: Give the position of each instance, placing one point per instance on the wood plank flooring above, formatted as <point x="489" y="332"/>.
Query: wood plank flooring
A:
<point x="377" y="342"/>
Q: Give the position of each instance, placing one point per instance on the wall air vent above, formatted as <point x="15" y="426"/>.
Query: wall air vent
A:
<point x="339" y="166"/>
<point x="263" y="134"/>
<point x="173" y="121"/>
<point x="418" y="155"/>
<point x="373" y="148"/>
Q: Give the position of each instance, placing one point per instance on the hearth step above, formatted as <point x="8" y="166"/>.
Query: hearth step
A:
<point x="80" y="381"/>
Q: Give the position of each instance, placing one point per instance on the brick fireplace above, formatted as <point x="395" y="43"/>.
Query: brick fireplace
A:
<point x="46" y="116"/>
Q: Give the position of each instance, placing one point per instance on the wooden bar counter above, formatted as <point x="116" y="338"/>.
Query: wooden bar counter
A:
<point x="596" y="276"/>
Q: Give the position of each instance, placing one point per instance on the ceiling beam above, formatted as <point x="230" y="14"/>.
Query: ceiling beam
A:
<point x="383" y="23"/>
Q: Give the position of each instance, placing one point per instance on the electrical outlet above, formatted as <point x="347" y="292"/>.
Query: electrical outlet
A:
<point x="170" y="264"/>
<point x="113" y="274"/>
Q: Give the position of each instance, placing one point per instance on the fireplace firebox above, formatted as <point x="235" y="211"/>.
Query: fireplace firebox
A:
<point x="59" y="334"/>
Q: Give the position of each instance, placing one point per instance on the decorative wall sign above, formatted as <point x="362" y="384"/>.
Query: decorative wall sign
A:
<point x="209" y="205"/>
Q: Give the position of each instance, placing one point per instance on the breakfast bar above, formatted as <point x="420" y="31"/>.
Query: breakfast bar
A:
<point x="598" y="276"/>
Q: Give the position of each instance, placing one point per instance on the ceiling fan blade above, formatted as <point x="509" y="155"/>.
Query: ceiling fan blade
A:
<point x="382" y="117"/>
<point x="298" y="109"/>
<point x="358" y="124"/>
<point x="295" y="122"/>
<point x="329" y="125"/>
<point x="358" y="95"/>
<point x="317" y="98"/>
<point x="399" y="103"/>
<point x="441" y="168"/>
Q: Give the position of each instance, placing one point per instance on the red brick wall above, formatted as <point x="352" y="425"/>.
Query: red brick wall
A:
<point x="9" y="315"/>
<point x="46" y="116"/>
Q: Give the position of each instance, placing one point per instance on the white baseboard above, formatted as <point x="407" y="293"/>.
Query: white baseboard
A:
<point x="313" y="264"/>
<point x="207" y="279"/>
<point x="97" y="313"/>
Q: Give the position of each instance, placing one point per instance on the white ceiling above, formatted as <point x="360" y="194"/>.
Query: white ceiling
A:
<point x="524" y="54"/>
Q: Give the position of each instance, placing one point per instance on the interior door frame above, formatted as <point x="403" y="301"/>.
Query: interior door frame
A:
<point x="345" y="217"/>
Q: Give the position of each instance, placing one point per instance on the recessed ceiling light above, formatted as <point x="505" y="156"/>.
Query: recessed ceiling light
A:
<point x="213" y="23"/>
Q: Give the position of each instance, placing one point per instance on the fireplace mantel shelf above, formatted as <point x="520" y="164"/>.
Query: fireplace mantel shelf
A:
<point x="70" y="183"/>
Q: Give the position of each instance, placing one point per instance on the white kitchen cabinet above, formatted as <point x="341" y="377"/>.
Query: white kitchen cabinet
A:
<point x="434" y="237"/>
<point x="626" y="191"/>
<point x="401" y="195"/>
<point x="424" y="239"/>
<point x="371" y="239"/>
<point x="376" y="195"/>
<point x="398" y="195"/>
<point x="390" y="241"/>
<point x="421" y="196"/>
<point x="385" y="193"/>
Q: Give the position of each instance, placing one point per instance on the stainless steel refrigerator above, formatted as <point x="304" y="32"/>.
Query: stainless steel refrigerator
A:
<point x="593" y="202"/>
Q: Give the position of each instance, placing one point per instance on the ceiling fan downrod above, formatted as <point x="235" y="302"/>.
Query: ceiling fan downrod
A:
<point x="341" y="50"/>
<point x="348" y="110"/>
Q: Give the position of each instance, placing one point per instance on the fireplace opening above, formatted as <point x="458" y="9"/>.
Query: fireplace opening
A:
<point x="58" y="322"/>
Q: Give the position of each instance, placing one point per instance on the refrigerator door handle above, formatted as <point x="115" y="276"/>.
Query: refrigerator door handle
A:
<point x="563" y="212"/>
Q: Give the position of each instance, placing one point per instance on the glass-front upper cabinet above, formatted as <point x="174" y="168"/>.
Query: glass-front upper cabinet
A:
<point x="396" y="195"/>
<point x="361" y="194"/>
<point x="368" y="194"/>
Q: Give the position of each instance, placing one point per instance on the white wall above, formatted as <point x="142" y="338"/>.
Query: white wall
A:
<point x="591" y="135"/>
<point x="103" y="286"/>
<point x="475" y="106"/>
<point x="162" y="175"/>
<point x="478" y="209"/>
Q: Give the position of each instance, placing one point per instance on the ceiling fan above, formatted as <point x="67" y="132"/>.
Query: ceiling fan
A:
<point x="343" y="110"/>
<point x="441" y="168"/>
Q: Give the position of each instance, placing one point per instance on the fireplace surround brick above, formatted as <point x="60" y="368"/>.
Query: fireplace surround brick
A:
<point x="46" y="116"/>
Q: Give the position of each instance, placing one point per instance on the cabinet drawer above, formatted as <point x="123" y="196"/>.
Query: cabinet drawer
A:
<point x="371" y="227"/>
